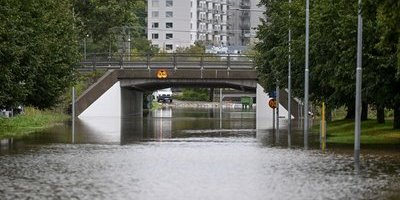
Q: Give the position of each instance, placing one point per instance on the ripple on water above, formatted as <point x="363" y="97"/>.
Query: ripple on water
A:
<point x="189" y="168"/>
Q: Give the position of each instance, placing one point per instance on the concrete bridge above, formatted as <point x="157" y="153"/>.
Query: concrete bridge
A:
<point x="131" y="76"/>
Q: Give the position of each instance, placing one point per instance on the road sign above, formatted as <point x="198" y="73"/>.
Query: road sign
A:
<point x="162" y="73"/>
<point x="272" y="103"/>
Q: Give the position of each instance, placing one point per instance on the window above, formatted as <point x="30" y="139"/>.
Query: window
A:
<point x="202" y="15"/>
<point x="169" y="3"/>
<point x="169" y="36"/>
<point x="154" y="14"/>
<point x="154" y="25"/>
<point x="154" y="36"/>
<point x="169" y="14"/>
<point x="168" y="47"/>
<point x="155" y="3"/>
<point x="169" y="25"/>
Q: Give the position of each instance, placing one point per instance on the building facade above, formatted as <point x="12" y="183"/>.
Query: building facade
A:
<point x="179" y="23"/>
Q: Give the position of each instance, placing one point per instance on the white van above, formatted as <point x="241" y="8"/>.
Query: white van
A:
<point x="163" y="95"/>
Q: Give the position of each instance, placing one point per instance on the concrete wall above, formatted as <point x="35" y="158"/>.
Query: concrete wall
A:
<point x="116" y="102"/>
<point x="108" y="104"/>
<point x="131" y="102"/>
<point x="264" y="112"/>
<point x="97" y="90"/>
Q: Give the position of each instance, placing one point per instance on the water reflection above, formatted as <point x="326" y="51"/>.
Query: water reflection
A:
<point x="189" y="154"/>
<point x="167" y="124"/>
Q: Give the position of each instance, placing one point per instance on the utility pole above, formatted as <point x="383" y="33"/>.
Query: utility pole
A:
<point x="289" y="82"/>
<point x="306" y="76"/>
<point x="358" y="86"/>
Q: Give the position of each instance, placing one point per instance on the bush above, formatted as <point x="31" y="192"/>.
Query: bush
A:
<point x="192" y="94"/>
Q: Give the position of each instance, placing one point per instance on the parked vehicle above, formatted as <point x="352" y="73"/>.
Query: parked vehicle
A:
<point x="164" y="95"/>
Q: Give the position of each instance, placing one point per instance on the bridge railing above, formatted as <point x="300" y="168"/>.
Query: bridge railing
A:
<point x="165" y="60"/>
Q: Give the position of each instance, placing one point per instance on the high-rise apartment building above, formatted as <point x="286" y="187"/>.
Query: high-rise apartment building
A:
<point x="179" y="23"/>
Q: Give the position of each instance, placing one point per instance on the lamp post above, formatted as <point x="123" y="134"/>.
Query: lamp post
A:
<point x="357" y="128"/>
<point x="306" y="76"/>
<point x="289" y="82"/>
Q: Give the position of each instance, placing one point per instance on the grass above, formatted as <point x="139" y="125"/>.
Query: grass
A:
<point x="30" y="121"/>
<point x="155" y="105"/>
<point x="342" y="132"/>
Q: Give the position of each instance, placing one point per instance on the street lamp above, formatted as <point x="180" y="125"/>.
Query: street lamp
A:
<point x="357" y="128"/>
<point x="306" y="76"/>
<point x="289" y="81"/>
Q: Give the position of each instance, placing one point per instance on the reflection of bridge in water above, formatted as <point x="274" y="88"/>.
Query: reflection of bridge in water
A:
<point x="131" y="76"/>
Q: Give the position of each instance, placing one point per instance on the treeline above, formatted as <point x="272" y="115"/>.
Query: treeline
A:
<point x="333" y="46"/>
<point x="41" y="43"/>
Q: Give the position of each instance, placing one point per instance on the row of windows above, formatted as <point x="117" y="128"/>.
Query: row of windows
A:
<point x="168" y="14"/>
<point x="167" y="46"/>
<point x="167" y="25"/>
<point x="167" y="36"/>
<point x="156" y="3"/>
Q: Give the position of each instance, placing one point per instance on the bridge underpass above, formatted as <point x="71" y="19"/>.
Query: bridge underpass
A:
<point x="120" y="91"/>
<point x="134" y="83"/>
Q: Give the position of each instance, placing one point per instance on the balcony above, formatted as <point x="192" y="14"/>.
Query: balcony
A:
<point x="216" y="11"/>
<point x="201" y="9"/>
<point x="202" y="31"/>
<point x="244" y="26"/>
<point x="244" y="5"/>
<point x="245" y="16"/>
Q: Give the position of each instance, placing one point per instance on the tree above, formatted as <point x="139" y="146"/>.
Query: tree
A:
<point x="14" y="77"/>
<point x="333" y="34"/>
<point x="108" y="23"/>
<point x="38" y="50"/>
<point x="388" y="20"/>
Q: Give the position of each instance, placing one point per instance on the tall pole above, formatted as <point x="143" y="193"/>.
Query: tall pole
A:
<point x="220" y="108"/>
<point x="358" y="86"/>
<point x="73" y="114"/>
<point x="289" y="83"/>
<point x="306" y="76"/>
<point x="277" y="107"/>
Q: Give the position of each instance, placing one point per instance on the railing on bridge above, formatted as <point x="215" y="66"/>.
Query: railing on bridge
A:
<point x="166" y="60"/>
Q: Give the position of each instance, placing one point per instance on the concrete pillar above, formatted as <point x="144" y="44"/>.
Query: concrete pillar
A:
<point x="211" y="94"/>
<point x="131" y="102"/>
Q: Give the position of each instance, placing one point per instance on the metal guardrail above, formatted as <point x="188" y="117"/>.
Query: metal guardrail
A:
<point x="166" y="60"/>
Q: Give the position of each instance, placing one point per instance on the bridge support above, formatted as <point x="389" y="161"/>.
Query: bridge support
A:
<point x="131" y="102"/>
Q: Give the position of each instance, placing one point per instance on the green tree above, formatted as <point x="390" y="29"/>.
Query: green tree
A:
<point x="38" y="51"/>
<point x="333" y="39"/>
<point x="388" y="23"/>
<point x="108" y="23"/>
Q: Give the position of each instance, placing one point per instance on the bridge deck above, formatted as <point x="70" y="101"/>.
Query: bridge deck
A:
<point x="168" y="61"/>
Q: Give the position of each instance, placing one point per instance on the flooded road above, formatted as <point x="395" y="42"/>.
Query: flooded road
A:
<point x="188" y="154"/>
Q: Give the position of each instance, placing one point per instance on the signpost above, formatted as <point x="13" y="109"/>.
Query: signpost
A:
<point x="272" y="104"/>
<point x="162" y="73"/>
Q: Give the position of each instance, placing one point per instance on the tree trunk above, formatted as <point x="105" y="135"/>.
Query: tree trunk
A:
<point x="364" y="111"/>
<point x="396" y="120"/>
<point x="380" y="114"/>
<point x="211" y="95"/>
<point x="350" y="112"/>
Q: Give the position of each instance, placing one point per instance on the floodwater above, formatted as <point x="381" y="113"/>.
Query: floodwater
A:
<point x="188" y="154"/>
